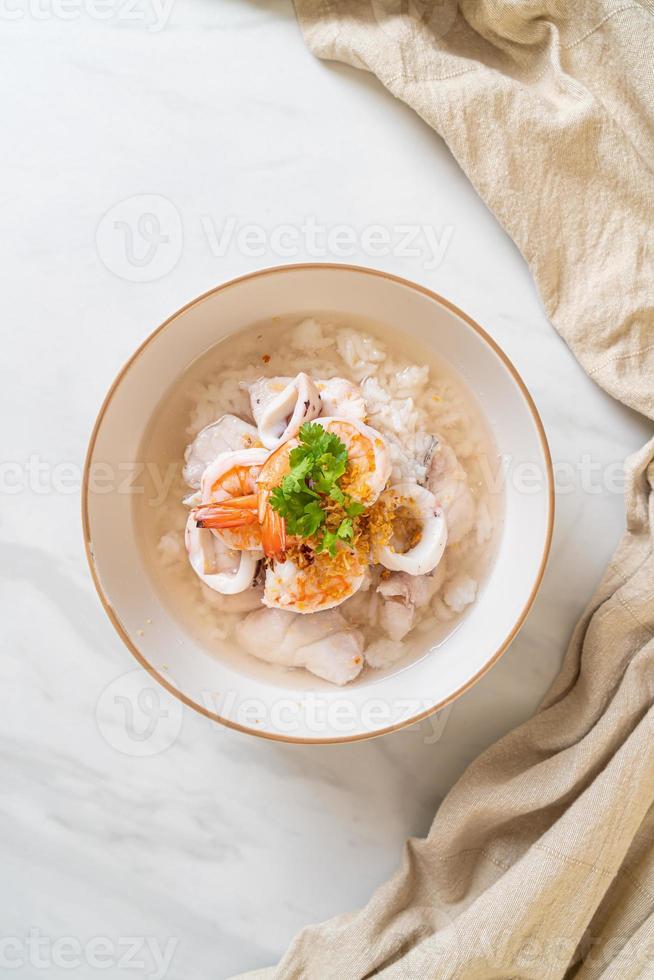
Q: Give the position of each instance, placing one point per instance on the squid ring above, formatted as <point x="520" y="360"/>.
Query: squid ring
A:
<point x="420" y="508"/>
<point x="206" y="553"/>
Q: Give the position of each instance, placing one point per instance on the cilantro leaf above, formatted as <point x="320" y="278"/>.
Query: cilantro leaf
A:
<point x="312" y="518"/>
<point x="345" y="529"/>
<point x="316" y="465"/>
<point x="335" y="493"/>
<point x="328" y="543"/>
<point x="312" y="437"/>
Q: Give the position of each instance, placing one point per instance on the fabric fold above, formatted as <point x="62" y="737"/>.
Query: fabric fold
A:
<point x="540" y="861"/>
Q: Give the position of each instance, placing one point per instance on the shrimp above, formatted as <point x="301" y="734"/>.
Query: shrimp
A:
<point x="236" y="492"/>
<point x="316" y="581"/>
<point x="220" y="568"/>
<point x="227" y="434"/>
<point x="367" y="473"/>
<point x="326" y="645"/>
<point x="368" y="458"/>
<point x="322" y="584"/>
<point x="419" y="531"/>
<point x="273" y="525"/>
<point x="229" y="500"/>
<point x="281" y="406"/>
<point x="324" y="581"/>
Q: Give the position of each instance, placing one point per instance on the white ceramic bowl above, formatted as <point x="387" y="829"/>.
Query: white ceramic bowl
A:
<point x="373" y="704"/>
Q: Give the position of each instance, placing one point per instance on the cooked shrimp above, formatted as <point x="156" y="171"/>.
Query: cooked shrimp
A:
<point x="273" y="525"/>
<point x="326" y="645"/>
<point x="419" y="531"/>
<point x="447" y="480"/>
<point x="226" y="435"/>
<point x="281" y="405"/>
<point x="324" y="583"/>
<point x="229" y="501"/>
<point x="236" y="493"/>
<point x="368" y="458"/>
<point x="367" y="473"/>
<point x="342" y="398"/>
<point x="222" y="568"/>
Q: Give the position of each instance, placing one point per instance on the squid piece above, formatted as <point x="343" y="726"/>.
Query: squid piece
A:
<point x="282" y="405"/>
<point x="419" y="531"/>
<point x="325" y="644"/>
<point x="221" y="568"/>
<point x="226" y="435"/>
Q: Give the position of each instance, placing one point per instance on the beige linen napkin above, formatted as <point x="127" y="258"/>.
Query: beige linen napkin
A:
<point x="540" y="862"/>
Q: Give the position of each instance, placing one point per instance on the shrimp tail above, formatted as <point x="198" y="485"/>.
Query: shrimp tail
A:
<point x="236" y="512"/>
<point x="273" y="533"/>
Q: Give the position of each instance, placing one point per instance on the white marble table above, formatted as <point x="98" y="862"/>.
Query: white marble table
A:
<point x="217" y="848"/>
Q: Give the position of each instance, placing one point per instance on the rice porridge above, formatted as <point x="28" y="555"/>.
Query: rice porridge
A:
<point x="316" y="498"/>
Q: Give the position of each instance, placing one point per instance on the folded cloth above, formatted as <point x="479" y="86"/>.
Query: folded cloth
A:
<point x="540" y="862"/>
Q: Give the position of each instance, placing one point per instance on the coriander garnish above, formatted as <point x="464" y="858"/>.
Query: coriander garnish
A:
<point x="317" y="465"/>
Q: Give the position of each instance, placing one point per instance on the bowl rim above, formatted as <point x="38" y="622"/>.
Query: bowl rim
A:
<point x="85" y="494"/>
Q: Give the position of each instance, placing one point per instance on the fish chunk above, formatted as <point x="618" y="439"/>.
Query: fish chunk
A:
<point x="448" y="481"/>
<point x="323" y="643"/>
<point x="402" y="595"/>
